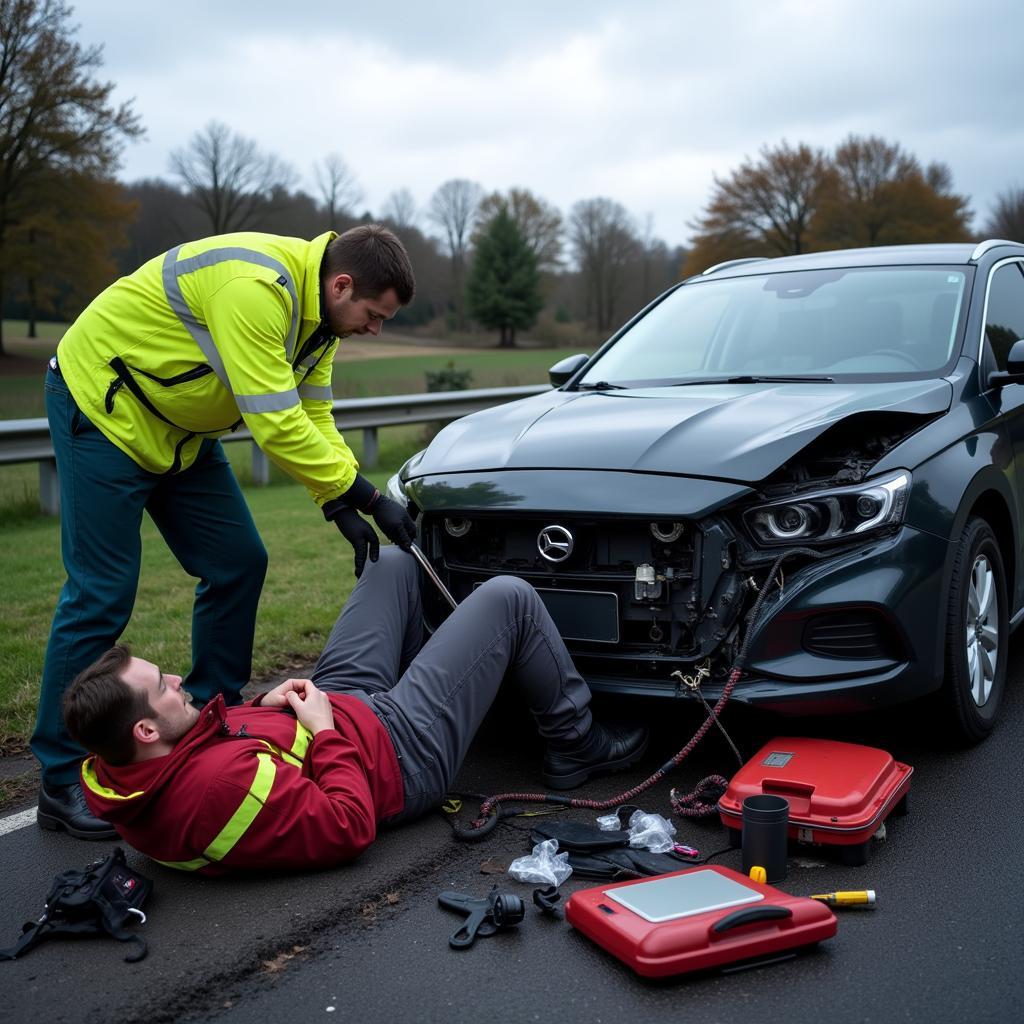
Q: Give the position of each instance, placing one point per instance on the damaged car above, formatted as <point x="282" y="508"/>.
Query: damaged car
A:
<point x="841" y="429"/>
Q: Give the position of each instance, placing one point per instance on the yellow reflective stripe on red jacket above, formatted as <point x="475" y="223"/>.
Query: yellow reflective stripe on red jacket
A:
<point x="295" y="754"/>
<point x="91" y="780"/>
<point x="239" y="822"/>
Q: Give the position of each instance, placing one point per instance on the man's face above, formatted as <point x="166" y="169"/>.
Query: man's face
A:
<point x="173" y="712"/>
<point x="348" y="315"/>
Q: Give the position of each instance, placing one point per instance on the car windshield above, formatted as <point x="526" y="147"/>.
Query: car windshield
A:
<point x="866" y="323"/>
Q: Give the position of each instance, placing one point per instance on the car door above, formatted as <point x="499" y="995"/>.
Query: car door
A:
<point x="1004" y="324"/>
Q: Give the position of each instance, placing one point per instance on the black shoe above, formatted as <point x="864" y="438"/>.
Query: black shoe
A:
<point x="64" y="807"/>
<point x="605" y="748"/>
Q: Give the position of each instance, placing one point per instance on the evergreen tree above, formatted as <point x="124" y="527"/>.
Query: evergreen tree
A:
<point x="503" y="291"/>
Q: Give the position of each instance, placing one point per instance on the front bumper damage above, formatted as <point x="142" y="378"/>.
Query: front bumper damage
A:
<point x="646" y="600"/>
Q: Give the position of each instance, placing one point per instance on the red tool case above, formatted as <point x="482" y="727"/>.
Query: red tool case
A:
<point x="838" y="793"/>
<point x="745" y="920"/>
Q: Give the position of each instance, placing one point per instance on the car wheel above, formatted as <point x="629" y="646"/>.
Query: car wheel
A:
<point x="977" y="629"/>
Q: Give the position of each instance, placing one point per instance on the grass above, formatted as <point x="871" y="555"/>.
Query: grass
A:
<point x="491" y="368"/>
<point x="310" y="576"/>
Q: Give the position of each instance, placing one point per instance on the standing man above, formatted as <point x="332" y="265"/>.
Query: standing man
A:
<point x="225" y="330"/>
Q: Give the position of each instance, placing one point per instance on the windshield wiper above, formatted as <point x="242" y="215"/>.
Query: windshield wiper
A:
<point x="748" y="379"/>
<point x="806" y="379"/>
<point x="601" y="385"/>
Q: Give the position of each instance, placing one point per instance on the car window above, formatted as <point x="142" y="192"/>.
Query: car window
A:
<point x="1004" y="319"/>
<point x="891" y="321"/>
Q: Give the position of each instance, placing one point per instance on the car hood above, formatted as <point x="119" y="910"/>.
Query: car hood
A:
<point x="740" y="432"/>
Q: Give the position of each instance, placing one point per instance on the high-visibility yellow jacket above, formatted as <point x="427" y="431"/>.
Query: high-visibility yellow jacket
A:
<point x="210" y="334"/>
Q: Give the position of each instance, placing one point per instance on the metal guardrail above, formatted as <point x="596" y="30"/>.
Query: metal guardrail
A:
<point x="29" y="440"/>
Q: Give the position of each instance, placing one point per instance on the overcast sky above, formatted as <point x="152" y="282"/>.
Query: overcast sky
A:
<point x="642" y="101"/>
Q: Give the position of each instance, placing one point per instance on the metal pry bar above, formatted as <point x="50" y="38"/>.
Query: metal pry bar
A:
<point x="429" y="570"/>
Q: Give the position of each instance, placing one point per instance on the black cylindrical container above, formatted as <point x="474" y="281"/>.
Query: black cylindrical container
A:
<point x="765" y="819"/>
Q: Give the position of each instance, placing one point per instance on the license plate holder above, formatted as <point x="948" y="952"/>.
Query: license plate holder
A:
<point x="588" y="615"/>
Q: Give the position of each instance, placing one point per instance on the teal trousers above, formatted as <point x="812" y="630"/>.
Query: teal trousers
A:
<point x="206" y="523"/>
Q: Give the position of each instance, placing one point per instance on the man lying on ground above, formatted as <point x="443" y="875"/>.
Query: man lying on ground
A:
<point x="302" y="776"/>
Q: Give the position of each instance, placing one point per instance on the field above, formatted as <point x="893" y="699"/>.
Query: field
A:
<point x="310" y="571"/>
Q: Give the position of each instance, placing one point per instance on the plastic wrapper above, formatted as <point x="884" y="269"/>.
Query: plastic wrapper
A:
<point x="651" y="832"/>
<point x="609" y="823"/>
<point x="545" y="866"/>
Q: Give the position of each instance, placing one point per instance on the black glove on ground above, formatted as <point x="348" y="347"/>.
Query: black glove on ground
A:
<point x="357" y="531"/>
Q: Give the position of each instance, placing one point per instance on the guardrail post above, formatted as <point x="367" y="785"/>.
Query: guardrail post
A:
<point x="260" y="466"/>
<point x="371" y="448"/>
<point x="49" y="488"/>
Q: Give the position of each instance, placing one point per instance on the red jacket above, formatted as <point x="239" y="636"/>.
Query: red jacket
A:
<point x="250" y="788"/>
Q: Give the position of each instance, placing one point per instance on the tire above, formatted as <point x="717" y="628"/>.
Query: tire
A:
<point x="977" y="632"/>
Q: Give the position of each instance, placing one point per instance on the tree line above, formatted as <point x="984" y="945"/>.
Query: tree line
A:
<point x="505" y="261"/>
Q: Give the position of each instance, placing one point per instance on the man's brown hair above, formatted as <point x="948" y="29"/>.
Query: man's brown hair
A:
<point x="375" y="260"/>
<point x="101" y="709"/>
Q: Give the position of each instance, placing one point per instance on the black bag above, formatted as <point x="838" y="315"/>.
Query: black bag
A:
<point x="102" y="897"/>
<point x="603" y="855"/>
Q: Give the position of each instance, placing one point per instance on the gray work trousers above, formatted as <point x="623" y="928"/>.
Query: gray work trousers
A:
<point x="432" y="697"/>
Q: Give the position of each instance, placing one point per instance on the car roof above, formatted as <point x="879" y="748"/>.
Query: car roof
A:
<point x="876" y="256"/>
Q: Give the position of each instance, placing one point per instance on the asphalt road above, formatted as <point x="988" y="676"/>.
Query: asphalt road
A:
<point x="368" y="942"/>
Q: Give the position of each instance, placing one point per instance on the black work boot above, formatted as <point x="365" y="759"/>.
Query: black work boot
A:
<point x="64" y="807"/>
<point x="606" y="748"/>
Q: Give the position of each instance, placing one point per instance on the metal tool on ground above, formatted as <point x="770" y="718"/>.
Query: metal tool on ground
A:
<point x="484" y="917"/>
<point x="429" y="570"/>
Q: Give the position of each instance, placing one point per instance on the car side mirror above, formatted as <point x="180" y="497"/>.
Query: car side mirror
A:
<point x="565" y="368"/>
<point x="1014" y="372"/>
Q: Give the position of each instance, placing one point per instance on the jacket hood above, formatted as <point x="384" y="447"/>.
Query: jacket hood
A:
<point x="119" y="793"/>
<point x="736" y="432"/>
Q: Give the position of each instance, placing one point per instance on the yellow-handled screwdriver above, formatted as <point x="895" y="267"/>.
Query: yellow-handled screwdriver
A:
<point x="850" y="898"/>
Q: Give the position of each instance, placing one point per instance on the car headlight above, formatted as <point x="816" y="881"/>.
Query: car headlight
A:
<point x="837" y="514"/>
<point x="395" y="490"/>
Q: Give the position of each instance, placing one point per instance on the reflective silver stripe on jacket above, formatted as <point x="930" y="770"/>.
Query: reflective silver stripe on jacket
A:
<point x="173" y="269"/>
<point x="318" y="392"/>
<point x="268" y="403"/>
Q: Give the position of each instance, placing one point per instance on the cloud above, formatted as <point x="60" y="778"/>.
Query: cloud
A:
<point x="643" y="104"/>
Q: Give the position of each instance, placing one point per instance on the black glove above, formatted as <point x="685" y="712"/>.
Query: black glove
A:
<point x="356" y="530"/>
<point x="395" y="523"/>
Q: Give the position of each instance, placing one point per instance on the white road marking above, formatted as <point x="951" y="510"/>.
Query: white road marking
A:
<point x="16" y="821"/>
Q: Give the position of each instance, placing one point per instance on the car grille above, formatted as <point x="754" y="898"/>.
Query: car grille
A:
<point x="594" y="594"/>
<point x="861" y="634"/>
<point x="598" y="546"/>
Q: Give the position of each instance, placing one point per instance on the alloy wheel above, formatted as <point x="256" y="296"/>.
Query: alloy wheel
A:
<point x="982" y="630"/>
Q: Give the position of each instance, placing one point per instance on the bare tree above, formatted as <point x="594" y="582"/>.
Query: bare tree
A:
<point x="539" y="223"/>
<point x="1007" y="217"/>
<point x="229" y="176"/>
<point x="879" y="195"/>
<point x="400" y="209"/>
<point x="604" y="244"/>
<point x="453" y="209"/>
<point x="337" y="186"/>
<point x="55" y="118"/>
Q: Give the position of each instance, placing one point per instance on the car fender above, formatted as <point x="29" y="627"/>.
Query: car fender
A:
<point x="947" y="488"/>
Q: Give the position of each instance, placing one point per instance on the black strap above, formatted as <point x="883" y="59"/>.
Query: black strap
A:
<point x="125" y="379"/>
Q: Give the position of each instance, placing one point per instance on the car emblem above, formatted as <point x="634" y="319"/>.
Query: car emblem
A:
<point x="554" y="543"/>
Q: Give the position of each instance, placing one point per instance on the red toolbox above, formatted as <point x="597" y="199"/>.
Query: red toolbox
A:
<point x="696" y="919"/>
<point x="838" y="793"/>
